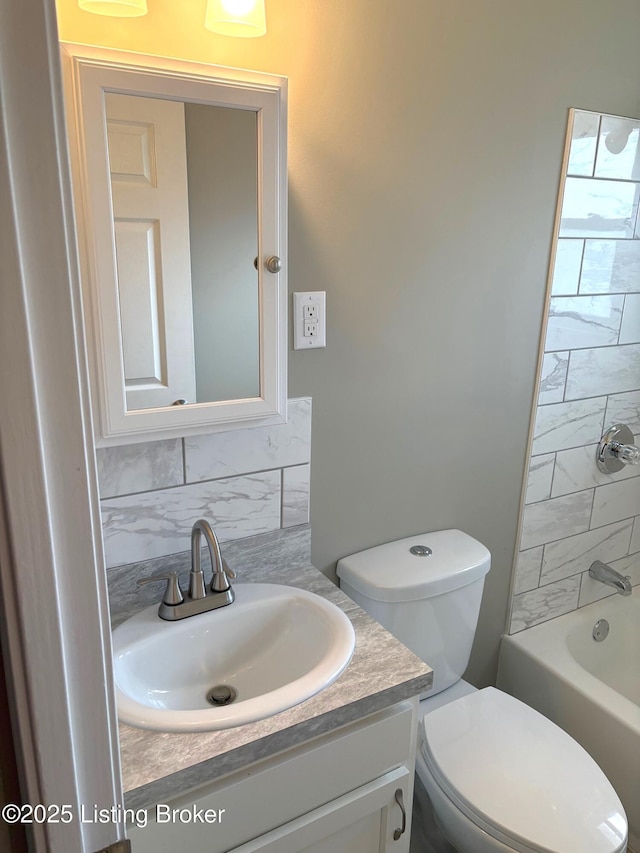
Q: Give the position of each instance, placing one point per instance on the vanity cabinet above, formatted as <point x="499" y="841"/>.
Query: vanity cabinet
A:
<point x="362" y="821"/>
<point x="349" y="790"/>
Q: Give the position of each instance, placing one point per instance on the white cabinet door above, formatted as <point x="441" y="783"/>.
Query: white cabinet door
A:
<point x="148" y="167"/>
<point x="362" y="821"/>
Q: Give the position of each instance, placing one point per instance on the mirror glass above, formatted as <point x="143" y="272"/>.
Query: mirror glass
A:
<point x="184" y="193"/>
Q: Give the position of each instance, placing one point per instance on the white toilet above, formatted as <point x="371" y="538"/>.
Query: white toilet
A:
<point x="500" y="776"/>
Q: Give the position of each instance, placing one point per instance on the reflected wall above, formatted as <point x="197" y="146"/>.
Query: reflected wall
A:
<point x="222" y="160"/>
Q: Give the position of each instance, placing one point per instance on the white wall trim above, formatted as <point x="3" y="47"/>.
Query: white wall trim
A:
<point x="52" y="573"/>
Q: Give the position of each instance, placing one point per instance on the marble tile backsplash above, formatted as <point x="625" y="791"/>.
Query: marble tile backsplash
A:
<point x="589" y="379"/>
<point x="246" y="482"/>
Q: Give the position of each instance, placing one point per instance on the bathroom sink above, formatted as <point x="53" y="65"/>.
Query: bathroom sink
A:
<point x="269" y="650"/>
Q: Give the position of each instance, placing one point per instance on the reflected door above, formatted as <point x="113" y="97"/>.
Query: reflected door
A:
<point x="148" y="166"/>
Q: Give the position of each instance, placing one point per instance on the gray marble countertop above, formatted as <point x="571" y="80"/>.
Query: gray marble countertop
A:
<point x="158" y="766"/>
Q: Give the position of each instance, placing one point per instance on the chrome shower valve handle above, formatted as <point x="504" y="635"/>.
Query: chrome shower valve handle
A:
<point x="617" y="449"/>
<point x="627" y="453"/>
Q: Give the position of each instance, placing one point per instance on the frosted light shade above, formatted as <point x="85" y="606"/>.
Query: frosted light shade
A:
<point x="244" y="18"/>
<point x="115" y="8"/>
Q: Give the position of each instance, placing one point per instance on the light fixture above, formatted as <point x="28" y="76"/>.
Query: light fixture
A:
<point x="115" y="8"/>
<point x="244" y="18"/>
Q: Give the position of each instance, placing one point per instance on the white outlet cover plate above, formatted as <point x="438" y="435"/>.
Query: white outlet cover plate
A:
<point x="300" y="300"/>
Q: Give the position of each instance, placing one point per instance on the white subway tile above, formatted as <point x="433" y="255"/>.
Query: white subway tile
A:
<point x="635" y="537"/>
<point x="590" y="374"/>
<point x="610" y="266"/>
<point x="616" y="501"/>
<point x="539" y="478"/>
<point x="608" y="370"/>
<point x="527" y="570"/>
<point x="591" y="590"/>
<point x="563" y="425"/>
<point x="575" y="554"/>
<point x="242" y="451"/>
<point x="155" y="524"/>
<point x="628" y="567"/>
<point x="555" y="519"/>
<point x="624" y="409"/>
<point x="576" y="470"/>
<point x="141" y="467"/>
<point x="598" y="208"/>
<point x="618" y="151"/>
<point x="576" y="322"/>
<point x="630" y="328"/>
<point x="553" y="377"/>
<point x="584" y="138"/>
<point x="295" y="495"/>
<point x="566" y="269"/>
<point x="544" y="603"/>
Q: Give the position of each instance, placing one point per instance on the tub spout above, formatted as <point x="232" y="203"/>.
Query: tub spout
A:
<point x="600" y="571"/>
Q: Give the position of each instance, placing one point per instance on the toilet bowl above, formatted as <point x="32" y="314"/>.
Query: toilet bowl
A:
<point x="500" y="777"/>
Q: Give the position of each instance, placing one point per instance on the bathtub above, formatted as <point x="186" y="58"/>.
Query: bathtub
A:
<point x="591" y="689"/>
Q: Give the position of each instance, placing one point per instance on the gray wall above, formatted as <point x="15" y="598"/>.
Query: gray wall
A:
<point x="422" y="199"/>
<point x="223" y="230"/>
<point x="425" y="148"/>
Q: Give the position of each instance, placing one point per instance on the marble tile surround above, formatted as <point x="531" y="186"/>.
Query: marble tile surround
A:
<point x="246" y="482"/>
<point x="589" y="379"/>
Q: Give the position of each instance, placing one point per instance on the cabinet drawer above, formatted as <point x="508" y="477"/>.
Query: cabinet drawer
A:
<point x="274" y="792"/>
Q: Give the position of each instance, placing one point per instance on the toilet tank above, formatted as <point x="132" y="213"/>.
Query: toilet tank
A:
<point x="426" y="590"/>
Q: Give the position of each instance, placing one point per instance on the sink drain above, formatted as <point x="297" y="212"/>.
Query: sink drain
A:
<point x="221" y="694"/>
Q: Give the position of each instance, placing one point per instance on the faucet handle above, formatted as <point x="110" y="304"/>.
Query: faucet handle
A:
<point x="220" y="580"/>
<point x="627" y="453"/>
<point x="228" y="572"/>
<point x="172" y="594"/>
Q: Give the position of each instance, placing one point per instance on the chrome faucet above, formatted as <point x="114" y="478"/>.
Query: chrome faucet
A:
<point x="220" y="570"/>
<point x="600" y="571"/>
<point x="199" y="598"/>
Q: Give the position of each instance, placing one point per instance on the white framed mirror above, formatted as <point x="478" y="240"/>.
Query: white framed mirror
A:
<point x="180" y="188"/>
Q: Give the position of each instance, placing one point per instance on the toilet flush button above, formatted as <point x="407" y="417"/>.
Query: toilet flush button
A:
<point x="420" y="551"/>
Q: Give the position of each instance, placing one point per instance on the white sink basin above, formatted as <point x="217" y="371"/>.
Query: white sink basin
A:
<point x="275" y="645"/>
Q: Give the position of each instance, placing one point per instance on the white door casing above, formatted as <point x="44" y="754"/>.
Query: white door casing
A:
<point x="54" y="597"/>
<point x="148" y="166"/>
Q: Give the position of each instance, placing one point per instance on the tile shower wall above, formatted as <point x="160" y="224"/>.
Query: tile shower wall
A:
<point x="590" y="379"/>
<point x="246" y="482"/>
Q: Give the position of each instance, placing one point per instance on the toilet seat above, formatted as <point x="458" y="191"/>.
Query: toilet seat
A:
<point x="520" y="778"/>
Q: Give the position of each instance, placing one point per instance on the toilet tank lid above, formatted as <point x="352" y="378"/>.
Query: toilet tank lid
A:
<point x="392" y="572"/>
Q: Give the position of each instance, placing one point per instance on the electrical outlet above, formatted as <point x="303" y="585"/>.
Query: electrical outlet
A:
<point x="309" y="319"/>
<point x="310" y="312"/>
